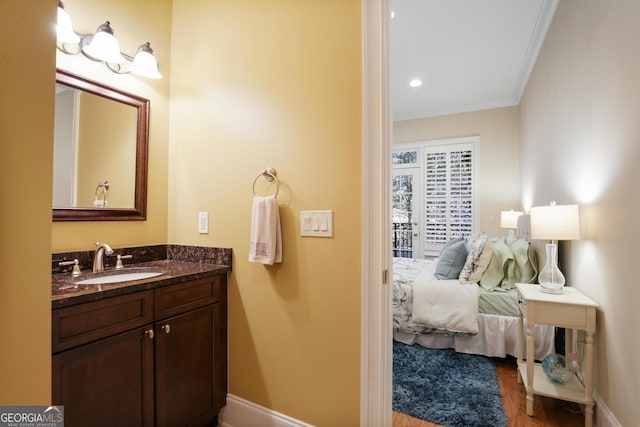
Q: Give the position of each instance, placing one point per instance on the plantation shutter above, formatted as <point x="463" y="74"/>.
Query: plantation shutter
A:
<point x="448" y="194"/>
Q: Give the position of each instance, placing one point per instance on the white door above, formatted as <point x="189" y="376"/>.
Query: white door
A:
<point x="405" y="213"/>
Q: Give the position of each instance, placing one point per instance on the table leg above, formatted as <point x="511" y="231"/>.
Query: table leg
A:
<point x="520" y="345"/>
<point x="530" y="361"/>
<point x="588" y="380"/>
<point x="568" y="341"/>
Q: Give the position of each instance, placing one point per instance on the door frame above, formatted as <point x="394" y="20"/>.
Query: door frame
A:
<point x="376" y="336"/>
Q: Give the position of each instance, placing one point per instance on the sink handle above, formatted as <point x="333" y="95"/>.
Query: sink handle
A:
<point x="119" y="265"/>
<point x="149" y="333"/>
<point x="76" y="267"/>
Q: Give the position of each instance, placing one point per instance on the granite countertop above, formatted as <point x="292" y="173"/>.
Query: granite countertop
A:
<point x="66" y="292"/>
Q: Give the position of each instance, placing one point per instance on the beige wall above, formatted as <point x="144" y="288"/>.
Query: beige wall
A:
<point x="499" y="155"/>
<point x="102" y="147"/>
<point x="580" y="144"/>
<point x="257" y="84"/>
<point x="134" y="22"/>
<point x="26" y="168"/>
<point x="277" y="83"/>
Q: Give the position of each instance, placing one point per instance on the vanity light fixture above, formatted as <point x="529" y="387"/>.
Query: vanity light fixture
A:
<point x="103" y="46"/>
<point x="554" y="222"/>
<point x="64" y="29"/>
<point x="144" y="64"/>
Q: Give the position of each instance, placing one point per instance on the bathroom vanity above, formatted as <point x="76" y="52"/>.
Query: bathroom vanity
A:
<point x="150" y="352"/>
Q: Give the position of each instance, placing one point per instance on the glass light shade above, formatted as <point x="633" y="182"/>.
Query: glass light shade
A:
<point x="64" y="29"/>
<point x="551" y="278"/>
<point x="104" y="46"/>
<point x="509" y="219"/>
<point x="144" y="64"/>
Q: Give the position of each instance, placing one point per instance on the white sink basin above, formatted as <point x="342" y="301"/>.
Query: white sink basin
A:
<point x="117" y="278"/>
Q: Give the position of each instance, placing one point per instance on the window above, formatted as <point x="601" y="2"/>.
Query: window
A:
<point x="444" y="206"/>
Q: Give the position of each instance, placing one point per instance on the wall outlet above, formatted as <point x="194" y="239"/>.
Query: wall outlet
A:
<point x="203" y="222"/>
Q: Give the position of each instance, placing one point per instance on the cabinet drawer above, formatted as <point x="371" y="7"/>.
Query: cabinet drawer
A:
<point x="566" y="316"/>
<point x="182" y="297"/>
<point x="91" y="321"/>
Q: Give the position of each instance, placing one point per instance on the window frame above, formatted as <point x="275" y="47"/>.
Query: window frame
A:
<point x="473" y="143"/>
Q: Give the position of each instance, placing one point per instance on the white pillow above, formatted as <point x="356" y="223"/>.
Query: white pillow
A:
<point x="475" y="246"/>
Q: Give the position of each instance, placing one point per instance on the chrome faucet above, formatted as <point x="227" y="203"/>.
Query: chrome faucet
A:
<point x="98" y="263"/>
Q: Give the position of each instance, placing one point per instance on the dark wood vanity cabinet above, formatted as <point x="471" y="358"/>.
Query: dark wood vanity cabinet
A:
<point x="190" y="352"/>
<point x="151" y="358"/>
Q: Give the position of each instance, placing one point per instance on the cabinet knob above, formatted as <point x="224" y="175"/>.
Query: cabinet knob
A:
<point x="149" y="333"/>
<point x="166" y="328"/>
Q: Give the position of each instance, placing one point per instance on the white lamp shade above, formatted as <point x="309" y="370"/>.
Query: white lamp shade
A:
<point x="555" y="222"/>
<point x="509" y="219"/>
<point x="104" y="46"/>
<point x="144" y="64"/>
<point x="64" y="29"/>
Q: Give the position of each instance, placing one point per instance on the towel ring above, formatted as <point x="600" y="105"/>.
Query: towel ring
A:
<point x="270" y="175"/>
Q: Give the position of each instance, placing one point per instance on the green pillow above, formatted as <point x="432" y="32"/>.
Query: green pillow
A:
<point x="451" y="259"/>
<point x="500" y="265"/>
<point x="524" y="264"/>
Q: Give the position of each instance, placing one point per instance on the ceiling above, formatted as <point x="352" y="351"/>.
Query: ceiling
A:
<point x="470" y="54"/>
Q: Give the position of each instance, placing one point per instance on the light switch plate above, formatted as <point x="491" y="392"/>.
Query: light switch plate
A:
<point x="318" y="223"/>
<point x="203" y="222"/>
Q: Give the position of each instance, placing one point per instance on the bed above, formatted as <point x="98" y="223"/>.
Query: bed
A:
<point x="474" y="313"/>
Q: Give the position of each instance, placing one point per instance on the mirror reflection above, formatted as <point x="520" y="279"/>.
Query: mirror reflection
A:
<point x="94" y="162"/>
<point x="100" y="152"/>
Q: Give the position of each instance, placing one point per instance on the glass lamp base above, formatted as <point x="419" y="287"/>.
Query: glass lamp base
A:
<point x="551" y="278"/>
<point x="551" y="288"/>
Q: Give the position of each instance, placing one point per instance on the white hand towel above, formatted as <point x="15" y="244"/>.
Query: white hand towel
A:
<point x="265" y="246"/>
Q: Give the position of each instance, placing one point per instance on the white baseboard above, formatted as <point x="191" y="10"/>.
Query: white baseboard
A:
<point x="242" y="413"/>
<point x="603" y="415"/>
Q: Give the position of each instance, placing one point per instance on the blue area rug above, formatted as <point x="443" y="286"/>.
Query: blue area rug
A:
<point x="445" y="387"/>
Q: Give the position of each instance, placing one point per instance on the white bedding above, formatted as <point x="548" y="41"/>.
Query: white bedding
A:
<point x="444" y="305"/>
<point x="496" y="335"/>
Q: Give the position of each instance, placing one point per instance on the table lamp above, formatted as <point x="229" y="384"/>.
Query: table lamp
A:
<point x="509" y="220"/>
<point x="553" y="223"/>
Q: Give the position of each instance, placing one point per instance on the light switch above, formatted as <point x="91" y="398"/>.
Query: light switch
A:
<point x="306" y="222"/>
<point x="316" y="223"/>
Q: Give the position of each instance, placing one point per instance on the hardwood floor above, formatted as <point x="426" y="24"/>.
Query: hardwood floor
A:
<point x="547" y="412"/>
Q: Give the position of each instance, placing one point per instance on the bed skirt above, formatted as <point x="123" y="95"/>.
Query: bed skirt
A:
<point x="498" y="337"/>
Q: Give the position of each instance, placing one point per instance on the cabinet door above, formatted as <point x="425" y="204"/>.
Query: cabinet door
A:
<point x="186" y="354"/>
<point x="106" y="383"/>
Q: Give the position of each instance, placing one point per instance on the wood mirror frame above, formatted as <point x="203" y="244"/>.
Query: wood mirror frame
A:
<point x="139" y="210"/>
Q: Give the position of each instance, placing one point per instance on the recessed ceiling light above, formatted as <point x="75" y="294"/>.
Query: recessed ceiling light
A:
<point x="415" y="83"/>
<point x="392" y="14"/>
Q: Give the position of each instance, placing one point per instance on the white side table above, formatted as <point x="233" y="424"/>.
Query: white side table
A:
<point x="571" y="310"/>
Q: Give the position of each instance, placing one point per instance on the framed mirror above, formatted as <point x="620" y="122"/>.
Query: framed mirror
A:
<point x="101" y="142"/>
